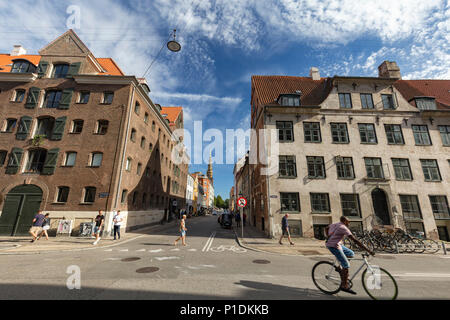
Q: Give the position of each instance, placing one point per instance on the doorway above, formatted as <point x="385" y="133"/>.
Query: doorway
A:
<point x="21" y="205"/>
<point x="380" y="206"/>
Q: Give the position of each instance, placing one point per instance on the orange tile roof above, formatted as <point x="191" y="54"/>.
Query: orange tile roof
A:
<point x="110" y="66"/>
<point x="6" y="60"/>
<point x="172" y="113"/>
<point x="268" y="88"/>
<point x="439" y="89"/>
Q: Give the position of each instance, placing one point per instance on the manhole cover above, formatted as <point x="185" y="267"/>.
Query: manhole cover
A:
<point x="147" y="270"/>
<point x="130" y="259"/>
<point x="309" y="252"/>
<point x="261" y="261"/>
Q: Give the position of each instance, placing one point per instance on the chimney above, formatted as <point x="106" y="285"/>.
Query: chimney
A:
<point x="18" y="50"/>
<point x="314" y="73"/>
<point x="389" y="69"/>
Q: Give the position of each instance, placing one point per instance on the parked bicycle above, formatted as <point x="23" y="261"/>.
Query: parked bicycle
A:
<point x="377" y="282"/>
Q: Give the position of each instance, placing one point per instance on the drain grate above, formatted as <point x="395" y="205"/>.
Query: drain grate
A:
<point x="261" y="261"/>
<point x="130" y="259"/>
<point x="147" y="270"/>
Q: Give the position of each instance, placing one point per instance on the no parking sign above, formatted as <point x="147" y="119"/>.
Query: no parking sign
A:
<point x="242" y="202"/>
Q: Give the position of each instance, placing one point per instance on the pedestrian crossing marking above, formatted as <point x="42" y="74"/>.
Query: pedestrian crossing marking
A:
<point x="108" y="250"/>
<point x="140" y="250"/>
<point x="157" y="250"/>
<point x="123" y="250"/>
<point x="192" y="250"/>
<point x="176" y="249"/>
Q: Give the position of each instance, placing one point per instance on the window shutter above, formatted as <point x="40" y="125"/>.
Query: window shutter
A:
<point x="42" y="68"/>
<point x="66" y="98"/>
<point x="24" y="128"/>
<point x="73" y="69"/>
<point x="58" y="128"/>
<point x="32" y="99"/>
<point x="14" y="161"/>
<point x="50" y="161"/>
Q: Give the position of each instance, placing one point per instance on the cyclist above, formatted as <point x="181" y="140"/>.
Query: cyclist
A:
<point x="335" y="234"/>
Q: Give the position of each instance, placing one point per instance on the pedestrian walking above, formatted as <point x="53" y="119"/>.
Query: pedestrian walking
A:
<point x="36" y="226"/>
<point x="244" y="218"/>
<point x="237" y="218"/>
<point x="98" y="225"/>
<point x="117" y="219"/>
<point x="183" y="230"/>
<point x="45" y="227"/>
<point x="285" y="229"/>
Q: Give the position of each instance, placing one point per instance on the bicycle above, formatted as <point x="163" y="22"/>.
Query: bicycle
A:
<point x="378" y="283"/>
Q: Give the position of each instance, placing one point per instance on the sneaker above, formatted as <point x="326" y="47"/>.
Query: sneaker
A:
<point x="348" y="290"/>
<point x="280" y="243"/>
<point x="292" y="243"/>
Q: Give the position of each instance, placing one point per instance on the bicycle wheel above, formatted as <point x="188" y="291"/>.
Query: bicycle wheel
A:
<point x="419" y="246"/>
<point x="379" y="285"/>
<point x="326" y="277"/>
<point x="431" y="246"/>
<point x="409" y="245"/>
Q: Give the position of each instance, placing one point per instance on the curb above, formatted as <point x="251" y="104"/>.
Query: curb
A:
<point x="81" y="249"/>
<point x="281" y="254"/>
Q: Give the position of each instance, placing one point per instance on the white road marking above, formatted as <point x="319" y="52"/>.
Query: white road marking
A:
<point x="176" y="249"/>
<point x="424" y="275"/>
<point x="209" y="242"/>
<point x="108" y="250"/>
<point x="157" y="250"/>
<point x="124" y="250"/>
<point x="207" y="266"/>
<point x="140" y="250"/>
<point x="192" y="250"/>
<point x="193" y="268"/>
<point x="166" y="258"/>
<point x="112" y="259"/>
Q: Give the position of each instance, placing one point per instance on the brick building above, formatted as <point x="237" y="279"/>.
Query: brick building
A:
<point x="77" y="136"/>
<point x="375" y="149"/>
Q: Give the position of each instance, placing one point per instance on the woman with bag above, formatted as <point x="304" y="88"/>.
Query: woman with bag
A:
<point x="45" y="227"/>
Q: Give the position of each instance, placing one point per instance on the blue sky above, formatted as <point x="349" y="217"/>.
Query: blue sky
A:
<point x="224" y="42"/>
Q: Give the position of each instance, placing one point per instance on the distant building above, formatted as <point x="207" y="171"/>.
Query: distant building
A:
<point x="374" y="149"/>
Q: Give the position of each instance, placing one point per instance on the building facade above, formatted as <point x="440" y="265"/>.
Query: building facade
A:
<point x="190" y="194"/>
<point x="78" y="136"/>
<point x="374" y="149"/>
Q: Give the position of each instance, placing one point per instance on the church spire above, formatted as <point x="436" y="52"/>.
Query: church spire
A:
<point x="209" y="173"/>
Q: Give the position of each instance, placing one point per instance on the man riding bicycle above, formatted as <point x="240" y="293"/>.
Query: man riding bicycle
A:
<point x="335" y="233"/>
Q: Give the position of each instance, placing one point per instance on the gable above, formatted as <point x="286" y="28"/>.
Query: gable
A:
<point x="67" y="44"/>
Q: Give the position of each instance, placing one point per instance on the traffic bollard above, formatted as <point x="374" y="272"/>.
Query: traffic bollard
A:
<point x="443" y="247"/>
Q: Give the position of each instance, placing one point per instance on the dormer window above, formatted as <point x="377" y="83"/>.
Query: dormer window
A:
<point x="425" y="103"/>
<point x="60" y="70"/>
<point x="289" y="100"/>
<point x="22" y="66"/>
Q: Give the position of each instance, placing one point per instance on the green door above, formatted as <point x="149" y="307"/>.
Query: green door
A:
<point x="10" y="211"/>
<point x="21" y="205"/>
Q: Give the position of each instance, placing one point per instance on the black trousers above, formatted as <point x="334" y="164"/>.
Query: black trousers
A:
<point x="116" y="231"/>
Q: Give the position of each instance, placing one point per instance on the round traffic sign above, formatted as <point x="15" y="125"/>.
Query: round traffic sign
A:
<point x="242" y="202"/>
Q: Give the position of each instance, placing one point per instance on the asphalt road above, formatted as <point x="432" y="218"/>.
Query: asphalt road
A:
<point x="212" y="266"/>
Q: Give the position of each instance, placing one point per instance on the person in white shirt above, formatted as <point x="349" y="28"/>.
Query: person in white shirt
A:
<point x="117" y="219"/>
